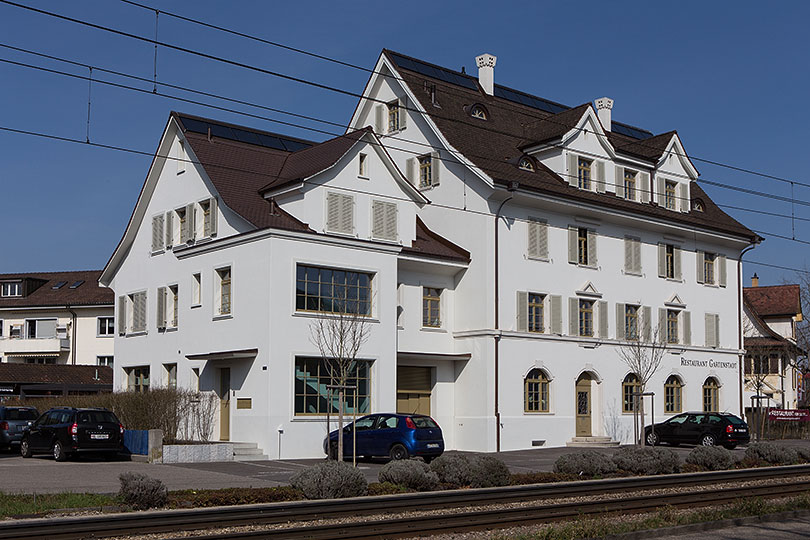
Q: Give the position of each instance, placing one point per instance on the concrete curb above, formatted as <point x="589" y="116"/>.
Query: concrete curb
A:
<point x="707" y="526"/>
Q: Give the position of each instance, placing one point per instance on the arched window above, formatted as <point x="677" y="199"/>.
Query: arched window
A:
<point x="673" y="395"/>
<point x="478" y="111"/>
<point x="535" y="391"/>
<point x="711" y="391"/>
<point x="630" y="385"/>
<point x="526" y="164"/>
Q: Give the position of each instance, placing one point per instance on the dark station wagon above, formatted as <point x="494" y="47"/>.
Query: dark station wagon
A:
<point x="707" y="429"/>
<point x="65" y="432"/>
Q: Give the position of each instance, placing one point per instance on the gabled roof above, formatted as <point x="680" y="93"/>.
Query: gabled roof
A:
<point x="771" y="338"/>
<point x="430" y="244"/>
<point x="774" y="300"/>
<point x="43" y="293"/>
<point x="495" y="146"/>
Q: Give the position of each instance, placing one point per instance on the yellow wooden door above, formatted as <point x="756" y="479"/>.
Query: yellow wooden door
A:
<point x="414" y="390"/>
<point x="225" y="404"/>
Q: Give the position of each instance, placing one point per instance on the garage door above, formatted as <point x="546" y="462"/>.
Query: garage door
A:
<point x="413" y="390"/>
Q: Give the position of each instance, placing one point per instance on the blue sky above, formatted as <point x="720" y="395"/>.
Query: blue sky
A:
<point x="731" y="77"/>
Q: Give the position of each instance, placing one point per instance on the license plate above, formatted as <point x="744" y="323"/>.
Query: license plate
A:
<point x="99" y="436"/>
<point x="433" y="445"/>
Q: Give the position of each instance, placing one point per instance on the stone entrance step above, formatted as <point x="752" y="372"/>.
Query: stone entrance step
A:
<point x="592" y="442"/>
<point x="245" y="451"/>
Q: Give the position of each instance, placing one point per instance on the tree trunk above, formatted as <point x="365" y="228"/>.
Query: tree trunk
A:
<point x="641" y="417"/>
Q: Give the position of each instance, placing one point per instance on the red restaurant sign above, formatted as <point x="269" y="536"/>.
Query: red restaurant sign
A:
<point x="789" y="415"/>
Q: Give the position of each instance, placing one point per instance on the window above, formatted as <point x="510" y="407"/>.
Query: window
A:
<point x="196" y="289"/>
<point x="425" y="169"/>
<point x="384" y="220"/>
<point x="630" y="385"/>
<point x="479" y="112"/>
<point x="182" y="225"/>
<point x="205" y="210"/>
<point x="106" y="326"/>
<point x="393" y="116"/>
<point x="339" y="213"/>
<point x="312" y="397"/>
<point x="59" y="285"/>
<point x="582" y="246"/>
<point x="673" y="395"/>
<point x="708" y="267"/>
<point x="224" y="296"/>
<point x="171" y="375"/>
<point x="362" y="165"/>
<point x="526" y="164"/>
<point x="431" y="307"/>
<point x="50" y="360"/>
<point x="672" y="326"/>
<point x="710" y="395"/>
<point x="11" y="289"/>
<point x="138" y="379"/>
<point x="536" y="322"/>
<point x="584" y="173"/>
<point x="586" y="318"/>
<point x="40" y="328"/>
<point x="181" y="157"/>
<point x="328" y="290"/>
<point x="630" y="185"/>
<point x="670" y="261"/>
<point x="15" y="331"/>
<point x="104" y="361"/>
<point x="172" y="306"/>
<point x="631" y="322"/>
<point x="669" y="194"/>
<point x="1" y="328"/>
<point x="535" y="392"/>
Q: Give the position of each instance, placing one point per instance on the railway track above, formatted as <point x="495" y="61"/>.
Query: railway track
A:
<point x="300" y="511"/>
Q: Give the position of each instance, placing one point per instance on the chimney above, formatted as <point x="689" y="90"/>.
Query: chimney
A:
<point x="486" y="72"/>
<point x="755" y="280"/>
<point x="603" y="107"/>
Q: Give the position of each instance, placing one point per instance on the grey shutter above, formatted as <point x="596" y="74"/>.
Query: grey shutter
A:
<point x="556" y="314"/>
<point x="346" y="214"/>
<point x="644" y="182"/>
<point x="701" y="276"/>
<point x="403" y="113"/>
<point x="122" y="315"/>
<point x="683" y="197"/>
<point x="212" y="209"/>
<point x="333" y="212"/>
<point x="390" y="224"/>
<point x="157" y="233"/>
<point x="379" y="119"/>
<point x="603" y="319"/>
<point x="522" y="311"/>
<point x="139" y="312"/>
<point x="377" y="219"/>
<point x="599" y="168"/>
<point x="662" y="260"/>
<point x="532" y="237"/>
<point x="676" y="261"/>
<point x="573" y="162"/>
<point x="620" y="321"/>
<point x="717" y="330"/>
<point x="660" y="195"/>
<point x="435" y="165"/>
<point x="191" y="219"/>
<point x="619" y="181"/>
<point x="646" y="323"/>
<point x="637" y="255"/>
<point x="711" y="334"/>
<point x="592" y="248"/>
<point x="538" y="239"/>
<point x="169" y="226"/>
<point x="573" y="316"/>
<point x="629" y="268"/>
<point x="410" y="170"/>
<point x="686" y="322"/>
<point x="572" y="244"/>
<point x="161" y="307"/>
<point x="662" y="325"/>
<point x="721" y="270"/>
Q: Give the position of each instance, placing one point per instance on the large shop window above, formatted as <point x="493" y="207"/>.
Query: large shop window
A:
<point x="313" y="375"/>
<point x="328" y="290"/>
<point x="711" y="391"/>
<point x="630" y="385"/>
<point x="535" y="391"/>
<point x="673" y="395"/>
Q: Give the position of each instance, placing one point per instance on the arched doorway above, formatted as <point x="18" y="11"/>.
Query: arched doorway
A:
<point x="583" y="405"/>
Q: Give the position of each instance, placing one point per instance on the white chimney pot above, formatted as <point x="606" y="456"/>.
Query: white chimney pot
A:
<point x="486" y="72"/>
<point x="603" y="107"/>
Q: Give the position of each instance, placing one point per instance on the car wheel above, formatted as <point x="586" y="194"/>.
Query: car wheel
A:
<point x="730" y="446"/>
<point x="398" y="452"/>
<point x="59" y="452"/>
<point x="708" y="440"/>
<point x="25" y="449"/>
<point x="652" y="439"/>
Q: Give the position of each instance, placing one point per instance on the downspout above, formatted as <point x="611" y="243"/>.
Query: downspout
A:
<point x="741" y="362"/>
<point x="512" y="188"/>
<point x="73" y="334"/>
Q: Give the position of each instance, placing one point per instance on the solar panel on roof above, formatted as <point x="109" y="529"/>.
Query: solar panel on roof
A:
<point x="243" y="135"/>
<point x="434" y="72"/>
<point x="529" y="100"/>
<point x="630" y="131"/>
<point x="271" y="142"/>
<point x="77" y="284"/>
<point x="194" y="125"/>
<point x="294" y="146"/>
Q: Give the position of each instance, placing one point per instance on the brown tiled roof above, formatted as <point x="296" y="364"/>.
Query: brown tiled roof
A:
<point x="553" y="126"/>
<point x="495" y="146"/>
<point x="430" y="244"/>
<point x="761" y="341"/>
<point x="649" y="149"/>
<point x="88" y="293"/>
<point x="56" y="374"/>
<point x="775" y="300"/>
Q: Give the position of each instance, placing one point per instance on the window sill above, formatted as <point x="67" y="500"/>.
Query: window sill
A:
<point x="538" y="413"/>
<point x="395" y="132"/>
<point x="538" y="259"/>
<point x="100" y="336"/>
<point x="170" y="329"/>
<point x="194" y="306"/>
<point x="436" y="330"/>
<point x="158" y="252"/>
<point x="362" y="177"/>
<point x="222" y="317"/>
<point x="317" y="315"/>
<point x="134" y="334"/>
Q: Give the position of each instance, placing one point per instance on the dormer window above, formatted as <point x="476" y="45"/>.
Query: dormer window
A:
<point x="669" y="194"/>
<point x="697" y="205"/>
<point x="630" y="185"/>
<point x="526" y="164"/>
<point x="393" y="116"/>
<point x="11" y="289"/>
<point x="584" y="173"/>
<point x="478" y="111"/>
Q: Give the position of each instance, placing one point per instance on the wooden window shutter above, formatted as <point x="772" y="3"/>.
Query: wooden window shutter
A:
<point x="190" y="221"/>
<point x="637" y="255"/>
<point x="711" y="334"/>
<point x="629" y="268"/>
<point x="379" y="119"/>
<point x="701" y="276"/>
<point x="161" y="307"/>
<point x="660" y="194"/>
<point x="391" y="221"/>
<point x="346" y="214"/>
<point x="556" y="314"/>
<point x="620" y="321"/>
<point x="662" y="325"/>
<point x="384" y="220"/>
<point x="572" y="244"/>
<point x="212" y="210"/>
<point x="646" y="323"/>
<point x="676" y="261"/>
<point x="662" y="260"/>
<point x="403" y="113"/>
<point x="573" y="170"/>
<point x="721" y="270"/>
<point x="169" y="226"/>
<point x="599" y="169"/>
<point x="333" y="212"/>
<point x="592" y="248"/>
<point x="686" y="322"/>
<point x="683" y="197"/>
<point x="435" y="166"/>
<point x="644" y="183"/>
<point x="603" y="319"/>
<point x="538" y="239"/>
<point x="522" y="311"/>
<point x="157" y="233"/>
<point x="619" y="181"/>
<point x="377" y="219"/>
<point x="717" y="330"/>
<point x="122" y="315"/>
<point x="410" y="170"/>
<point x="139" y="312"/>
<point x="573" y="316"/>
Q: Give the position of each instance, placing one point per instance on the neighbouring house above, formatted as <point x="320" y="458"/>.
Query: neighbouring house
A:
<point x="773" y="358"/>
<point x="48" y="380"/>
<point x="502" y="247"/>
<point x="56" y="318"/>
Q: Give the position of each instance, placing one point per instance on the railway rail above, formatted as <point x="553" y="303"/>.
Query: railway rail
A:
<point x="300" y="511"/>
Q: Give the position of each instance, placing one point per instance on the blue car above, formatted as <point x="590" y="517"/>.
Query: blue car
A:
<point x="398" y="436"/>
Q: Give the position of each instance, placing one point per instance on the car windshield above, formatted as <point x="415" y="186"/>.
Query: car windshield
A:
<point x="735" y="420"/>
<point x="424" y="422"/>
<point x="21" y="414"/>
<point x="97" y="417"/>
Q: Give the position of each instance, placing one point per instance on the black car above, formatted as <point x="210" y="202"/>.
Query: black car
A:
<point x="68" y="431"/>
<point x="13" y="421"/>
<point x="707" y="429"/>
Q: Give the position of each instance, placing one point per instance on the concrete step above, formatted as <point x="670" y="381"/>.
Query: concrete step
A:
<point x="590" y="439"/>
<point x="246" y="451"/>
<point x="592" y="442"/>
<point x="251" y="457"/>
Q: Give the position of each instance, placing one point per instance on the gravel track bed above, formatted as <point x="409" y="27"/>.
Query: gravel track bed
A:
<point x="471" y="535"/>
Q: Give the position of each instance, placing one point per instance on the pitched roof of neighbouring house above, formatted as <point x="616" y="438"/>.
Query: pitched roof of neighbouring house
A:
<point x="775" y="300"/>
<point x="79" y="288"/>
<point x="56" y="374"/>
<point x="430" y="244"/>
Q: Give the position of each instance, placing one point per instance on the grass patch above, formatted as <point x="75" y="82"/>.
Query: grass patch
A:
<point x="20" y="504"/>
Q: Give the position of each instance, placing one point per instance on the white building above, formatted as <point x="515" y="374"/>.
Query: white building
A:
<point x="505" y="330"/>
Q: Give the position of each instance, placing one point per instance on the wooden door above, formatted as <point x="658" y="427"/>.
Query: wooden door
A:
<point x="414" y="386"/>
<point x="583" y="406"/>
<point x="225" y="404"/>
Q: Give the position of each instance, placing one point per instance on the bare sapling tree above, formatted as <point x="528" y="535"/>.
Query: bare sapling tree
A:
<point x="643" y="358"/>
<point x="339" y="336"/>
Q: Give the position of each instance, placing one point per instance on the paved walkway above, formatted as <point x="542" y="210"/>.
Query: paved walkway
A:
<point x="788" y="529"/>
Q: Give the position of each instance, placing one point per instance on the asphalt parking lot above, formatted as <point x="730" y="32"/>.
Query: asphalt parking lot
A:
<point x="41" y="474"/>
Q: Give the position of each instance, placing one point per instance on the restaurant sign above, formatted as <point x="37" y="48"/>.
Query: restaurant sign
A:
<point x="710" y="363"/>
<point x="789" y="415"/>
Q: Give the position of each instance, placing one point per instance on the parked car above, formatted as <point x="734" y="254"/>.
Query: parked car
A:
<point x="13" y="421"/>
<point x="64" y="432"/>
<point x="707" y="429"/>
<point x="398" y="436"/>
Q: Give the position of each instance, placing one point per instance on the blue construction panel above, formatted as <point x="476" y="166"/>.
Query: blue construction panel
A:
<point x="136" y="441"/>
